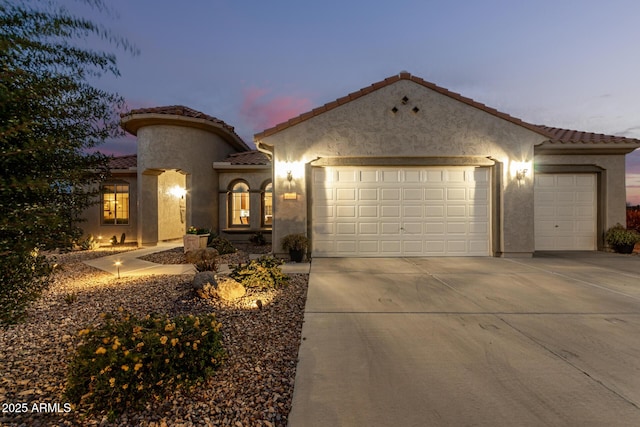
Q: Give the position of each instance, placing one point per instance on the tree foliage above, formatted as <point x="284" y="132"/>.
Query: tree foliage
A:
<point x="50" y="117"/>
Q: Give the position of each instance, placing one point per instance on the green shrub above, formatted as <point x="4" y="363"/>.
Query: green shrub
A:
<point x="620" y="236"/>
<point x="258" y="239"/>
<point x="23" y="278"/>
<point x="222" y="245"/>
<point x="90" y="243"/>
<point x="127" y="361"/>
<point x="261" y="273"/>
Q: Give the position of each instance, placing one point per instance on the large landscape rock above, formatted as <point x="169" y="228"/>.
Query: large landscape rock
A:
<point x="207" y="285"/>
<point x="199" y="255"/>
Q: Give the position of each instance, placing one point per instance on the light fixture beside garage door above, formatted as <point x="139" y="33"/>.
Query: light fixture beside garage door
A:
<point x="291" y="171"/>
<point x="519" y="170"/>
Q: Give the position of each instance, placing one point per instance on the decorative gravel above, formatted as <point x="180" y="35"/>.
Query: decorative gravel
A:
<point x="253" y="388"/>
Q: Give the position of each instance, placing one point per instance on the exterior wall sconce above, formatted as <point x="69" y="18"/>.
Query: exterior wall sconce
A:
<point x="289" y="176"/>
<point x="521" y="173"/>
<point x="519" y="170"/>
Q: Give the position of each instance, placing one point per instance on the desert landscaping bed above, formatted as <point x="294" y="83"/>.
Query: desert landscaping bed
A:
<point x="254" y="386"/>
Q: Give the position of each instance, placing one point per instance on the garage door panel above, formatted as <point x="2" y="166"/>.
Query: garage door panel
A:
<point x="456" y="228"/>
<point x="346" y="228"/>
<point x="368" y="176"/>
<point x="479" y="211"/>
<point x="412" y="247"/>
<point x="390" y="247"/>
<point x="414" y="228"/>
<point x="345" y="194"/>
<point x="346" y="176"/>
<point x="368" y="211"/>
<point x="324" y="228"/>
<point x="434" y="194"/>
<point x="457" y="246"/>
<point x="435" y="228"/>
<point x="413" y="211"/>
<point x="565" y="212"/>
<point x="345" y="211"/>
<point x="431" y="211"/>
<point x="323" y="211"/>
<point x="346" y="246"/>
<point x="390" y="194"/>
<point x="478" y="228"/>
<point x="412" y="176"/>
<point x="412" y="194"/>
<point x="456" y="194"/>
<point x="392" y="228"/>
<point x="369" y="246"/>
<point x="478" y="246"/>
<point x="455" y="175"/>
<point x="391" y="176"/>
<point x="368" y="194"/>
<point x="390" y="211"/>
<point x="458" y="211"/>
<point x="479" y="194"/>
<point x="368" y="228"/>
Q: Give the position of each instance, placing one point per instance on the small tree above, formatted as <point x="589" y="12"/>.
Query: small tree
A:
<point x="50" y="116"/>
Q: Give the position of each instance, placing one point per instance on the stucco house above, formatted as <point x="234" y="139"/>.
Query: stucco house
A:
<point x="400" y="168"/>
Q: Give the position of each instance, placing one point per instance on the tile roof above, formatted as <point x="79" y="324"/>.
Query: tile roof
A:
<point x="179" y="110"/>
<point x="124" y="162"/>
<point x="132" y="120"/>
<point x="567" y="136"/>
<point x="248" y="158"/>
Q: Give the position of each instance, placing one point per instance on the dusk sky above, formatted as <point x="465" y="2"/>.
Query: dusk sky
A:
<point x="565" y="63"/>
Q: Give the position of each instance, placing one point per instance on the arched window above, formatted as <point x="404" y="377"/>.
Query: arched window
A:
<point x="267" y="205"/>
<point x="239" y="204"/>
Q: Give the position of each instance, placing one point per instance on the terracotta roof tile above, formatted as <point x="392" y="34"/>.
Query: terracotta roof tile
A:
<point x="124" y="162"/>
<point x="248" y="158"/>
<point x="567" y="136"/>
<point x="181" y="110"/>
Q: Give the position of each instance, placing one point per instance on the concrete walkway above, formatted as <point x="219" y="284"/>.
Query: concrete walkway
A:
<point x="551" y="340"/>
<point x="131" y="265"/>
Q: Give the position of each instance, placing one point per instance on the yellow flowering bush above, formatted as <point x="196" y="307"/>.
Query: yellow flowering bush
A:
<point x="127" y="360"/>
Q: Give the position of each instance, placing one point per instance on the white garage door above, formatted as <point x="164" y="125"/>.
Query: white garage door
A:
<point x="411" y="211"/>
<point x="565" y="212"/>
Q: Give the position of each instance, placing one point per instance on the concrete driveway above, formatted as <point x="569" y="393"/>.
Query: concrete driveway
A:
<point x="548" y="341"/>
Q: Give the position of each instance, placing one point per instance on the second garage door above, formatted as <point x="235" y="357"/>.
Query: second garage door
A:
<point x="565" y="212"/>
<point x="412" y="211"/>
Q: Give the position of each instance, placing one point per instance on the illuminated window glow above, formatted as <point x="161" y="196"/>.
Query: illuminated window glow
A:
<point x="115" y="204"/>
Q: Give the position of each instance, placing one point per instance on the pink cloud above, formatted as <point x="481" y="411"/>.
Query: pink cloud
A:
<point x="261" y="111"/>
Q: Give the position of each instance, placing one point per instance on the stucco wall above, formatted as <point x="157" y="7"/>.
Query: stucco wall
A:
<point x="191" y="151"/>
<point x="442" y="127"/>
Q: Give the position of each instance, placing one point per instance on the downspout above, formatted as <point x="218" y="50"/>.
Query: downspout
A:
<point x="274" y="200"/>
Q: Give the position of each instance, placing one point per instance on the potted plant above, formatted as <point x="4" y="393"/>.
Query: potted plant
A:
<point x="622" y="240"/>
<point x="296" y="244"/>
<point x="196" y="238"/>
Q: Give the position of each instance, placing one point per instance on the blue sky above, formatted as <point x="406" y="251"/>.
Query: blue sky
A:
<point x="564" y="63"/>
